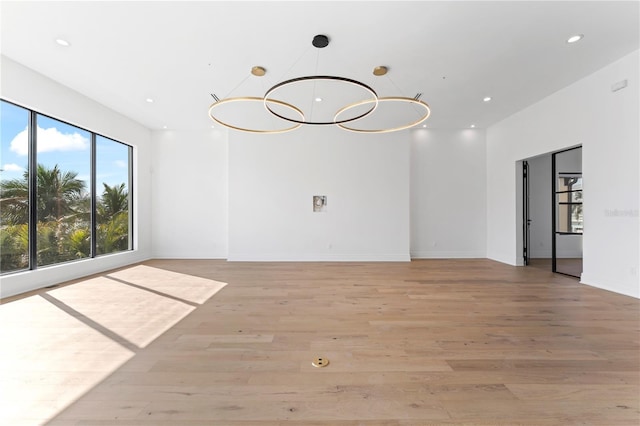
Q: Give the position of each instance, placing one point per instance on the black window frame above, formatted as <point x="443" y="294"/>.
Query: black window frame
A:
<point x="32" y="179"/>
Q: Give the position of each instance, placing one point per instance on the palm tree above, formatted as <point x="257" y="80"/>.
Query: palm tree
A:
<point x="14" y="201"/>
<point x="113" y="219"/>
<point x="62" y="208"/>
<point x="14" y="247"/>
<point x="59" y="195"/>
<point x="114" y="199"/>
<point x="113" y="235"/>
<point x="63" y="216"/>
<point x="63" y="211"/>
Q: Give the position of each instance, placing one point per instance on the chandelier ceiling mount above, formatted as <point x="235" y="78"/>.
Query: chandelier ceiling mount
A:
<point x="320" y="41"/>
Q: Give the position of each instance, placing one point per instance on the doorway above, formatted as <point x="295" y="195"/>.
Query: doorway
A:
<point x="567" y="212"/>
<point x="552" y="211"/>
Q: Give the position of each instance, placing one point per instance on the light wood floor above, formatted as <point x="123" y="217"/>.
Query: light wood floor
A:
<point x="570" y="266"/>
<point x="470" y="342"/>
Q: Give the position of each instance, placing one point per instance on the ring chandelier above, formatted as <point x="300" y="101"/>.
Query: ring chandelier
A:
<point x="319" y="42"/>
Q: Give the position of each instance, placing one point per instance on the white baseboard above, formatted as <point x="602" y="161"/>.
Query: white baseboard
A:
<point x="560" y="254"/>
<point x="322" y="257"/>
<point x="194" y="255"/>
<point x="506" y="259"/>
<point x="448" y="255"/>
<point x="540" y="254"/>
<point x="568" y="254"/>
<point x="627" y="289"/>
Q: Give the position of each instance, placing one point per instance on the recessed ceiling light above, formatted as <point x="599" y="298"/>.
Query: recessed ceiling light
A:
<point x="149" y="100"/>
<point x="63" y="42"/>
<point x="487" y="98"/>
<point x="164" y="127"/>
<point x="424" y="125"/>
<point x="318" y="99"/>
<point x="472" y="126"/>
<point x="575" y="38"/>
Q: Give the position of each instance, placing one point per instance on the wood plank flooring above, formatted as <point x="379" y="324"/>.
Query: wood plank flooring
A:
<point x="568" y="266"/>
<point x="201" y="342"/>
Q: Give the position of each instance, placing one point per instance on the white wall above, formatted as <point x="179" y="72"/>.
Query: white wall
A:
<point x="448" y="193"/>
<point x="272" y="179"/>
<point x="607" y="125"/>
<point x="189" y="186"/>
<point x="33" y="90"/>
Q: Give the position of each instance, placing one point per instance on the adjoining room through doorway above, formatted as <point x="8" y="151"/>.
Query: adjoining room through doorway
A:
<point x="552" y="211"/>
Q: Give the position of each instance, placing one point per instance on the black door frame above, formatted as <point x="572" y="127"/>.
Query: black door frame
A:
<point x="554" y="232"/>
<point x="526" y="217"/>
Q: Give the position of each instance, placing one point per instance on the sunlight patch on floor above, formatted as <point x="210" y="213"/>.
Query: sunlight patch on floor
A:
<point x="85" y="331"/>
<point x="187" y="287"/>
<point x="137" y="316"/>
<point x="77" y="358"/>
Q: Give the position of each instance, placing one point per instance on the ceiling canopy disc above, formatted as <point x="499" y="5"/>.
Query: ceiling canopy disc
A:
<point x="255" y="99"/>
<point x="320" y="41"/>
<point x="412" y="101"/>
<point x="372" y="99"/>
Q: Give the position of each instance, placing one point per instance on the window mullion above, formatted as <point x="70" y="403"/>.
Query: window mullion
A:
<point x="33" y="189"/>
<point x="130" y="195"/>
<point x="93" y="195"/>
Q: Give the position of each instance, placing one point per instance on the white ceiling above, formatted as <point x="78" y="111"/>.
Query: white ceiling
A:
<point x="454" y="53"/>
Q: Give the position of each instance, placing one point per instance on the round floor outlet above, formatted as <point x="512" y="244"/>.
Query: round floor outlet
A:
<point x="320" y="362"/>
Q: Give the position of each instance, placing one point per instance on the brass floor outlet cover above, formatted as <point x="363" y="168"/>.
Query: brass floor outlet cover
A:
<point x="320" y="362"/>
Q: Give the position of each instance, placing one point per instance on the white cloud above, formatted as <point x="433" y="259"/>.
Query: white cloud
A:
<point x="49" y="140"/>
<point x="20" y="143"/>
<point x="121" y="164"/>
<point x="11" y="167"/>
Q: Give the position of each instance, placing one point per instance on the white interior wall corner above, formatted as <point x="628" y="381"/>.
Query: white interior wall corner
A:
<point x="606" y="124"/>
<point x="30" y="89"/>
<point x="189" y="187"/>
<point x="448" y="193"/>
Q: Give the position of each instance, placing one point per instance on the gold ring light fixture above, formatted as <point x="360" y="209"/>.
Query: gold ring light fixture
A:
<point x="222" y="102"/>
<point x="414" y="101"/>
<point x="340" y="119"/>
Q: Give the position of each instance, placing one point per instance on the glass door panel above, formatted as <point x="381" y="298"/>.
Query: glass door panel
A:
<point x="567" y="212"/>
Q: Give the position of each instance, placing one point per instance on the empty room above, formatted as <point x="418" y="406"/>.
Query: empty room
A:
<point x="319" y="213"/>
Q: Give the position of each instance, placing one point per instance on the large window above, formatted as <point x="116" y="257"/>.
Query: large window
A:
<point x="113" y="215"/>
<point x="63" y="216"/>
<point x="79" y="183"/>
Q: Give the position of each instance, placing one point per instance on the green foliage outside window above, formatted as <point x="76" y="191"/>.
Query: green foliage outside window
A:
<point x="63" y="219"/>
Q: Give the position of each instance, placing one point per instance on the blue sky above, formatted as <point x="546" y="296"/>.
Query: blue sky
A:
<point x="58" y="143"/>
